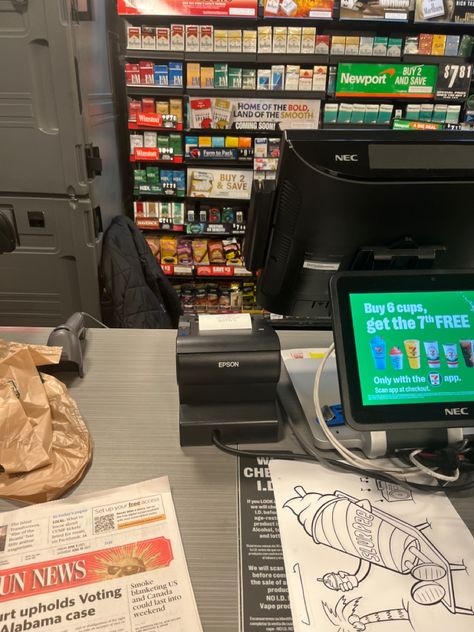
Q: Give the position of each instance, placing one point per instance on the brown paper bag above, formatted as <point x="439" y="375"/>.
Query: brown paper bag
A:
<point x="44" y="444"/>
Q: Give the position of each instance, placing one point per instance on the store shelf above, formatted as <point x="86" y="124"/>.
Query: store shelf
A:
<point x="242" y="164"/>
<point x="176" y="160"/>
<point x="217" y="57"/>
<point x="364" y="59"/>
<point x="159" y="197"/>
<point x="151" y="128"/>
<point x="261" y="94"/>
<point x="293" y="58"/>
<point x="141" y="90"/>
<point x="204" y="270"/>
<point x="435" y="59"/>
<point x="145" y="55"/>
<point x="231" y="131"/>
<point x="363" y="126"/>
<point x="212" y="200"/>
<point x="149" y="223"/>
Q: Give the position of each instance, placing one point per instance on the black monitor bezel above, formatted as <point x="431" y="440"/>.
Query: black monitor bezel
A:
<point x="388" y="416"/>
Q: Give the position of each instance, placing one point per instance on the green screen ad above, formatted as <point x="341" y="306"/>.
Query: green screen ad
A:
<point x="414" y="348"/>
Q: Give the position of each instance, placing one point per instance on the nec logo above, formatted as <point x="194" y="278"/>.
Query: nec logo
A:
<point x="346" y="157"/>
<point x="456" y="411"/>
<point x="228" y="365"/>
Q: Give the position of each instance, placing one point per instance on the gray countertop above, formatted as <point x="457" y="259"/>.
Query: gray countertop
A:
<point x="129" y="400"/>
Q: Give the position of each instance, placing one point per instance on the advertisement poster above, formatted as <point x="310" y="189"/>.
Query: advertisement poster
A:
<point x="374" y="10"/>
<point x="216" y="8"/>
<point x="264" y="603"/>
<point x="459" y="11"/>
<point x="298" y="8"/>
<point x="220" y="183"/>
<point x="414" y="348"/>
<point x="107" y="561"/>
<point x="265" y="114"/>
<point x="454" y="81"/>
<point x="384" y="80"/>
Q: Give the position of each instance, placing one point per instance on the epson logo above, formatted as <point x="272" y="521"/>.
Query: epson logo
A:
<point x="456" y="411"/>
<point x="228" y="365"/>
<point x="346" y="157"/>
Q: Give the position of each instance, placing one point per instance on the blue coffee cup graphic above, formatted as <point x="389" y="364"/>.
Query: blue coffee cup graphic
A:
<point x="379" y="348"/>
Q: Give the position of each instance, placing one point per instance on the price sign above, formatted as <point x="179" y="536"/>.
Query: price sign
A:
<point x="453" y="81"/>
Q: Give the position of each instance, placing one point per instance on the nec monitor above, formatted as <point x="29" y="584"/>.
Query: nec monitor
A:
<point x="405" y="348"/>
<point x="348" y="200"/>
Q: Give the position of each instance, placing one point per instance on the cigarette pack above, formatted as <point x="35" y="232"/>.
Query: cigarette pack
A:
<point x="306" y="79"/>
<point x="264" y="39"/>
<point x="274" y="147"/>
<point x="136" y="140"/>
<point x="176" y="109"/>
<point x="146" y="73"/>
<point x="452" y="44"/>
<point x="385" y="113"/>
<point x="439" y="113"/>
<point x="345" y="113"/>
<point x="413" y="111"/>
<point x="371" y="113"/>
<point x="148" y="38"/>
<point x="163" y="142"/>
<point x="249" y="78"/>
<point x="134" y="37"/>
<point x="153" y="209"/>
<point x="222" y="113"/>
<point x="272" y="6"/>
<point x="439" y="45"/>
<point x="308" y="39"/>
<point x="249" y="41"/>
<point x="206" y="38"/>
<point x="149" y="139"/>
<point x="366" y="45"/>
<point x="177" y="212"/>
<point x="263" y="79"/>
<point x="394" y="48"/>
<point x="322" y="44"/>
<point x="163" y="38"/>
<point x="193" y="75"/>
<point x="358" y="113"/>
<point x="292" y="77"/>
<point x="352" y="45"/>
<point x="232" y="141"/>
<point x="380" y="46"/>
<point x="425" y="43"/>
<point x="175" y="73"/>
<point x="277" y="77"/>
<point x="134" y="106"/>
<point x="177" y="37"/>
<point x="179" y="180"/>
<point x="452" y="115"/>
<point x="221" y="75"/>
<point x="288" y="7"/>
<point x="234" y="41"/>
<point x="294" y="39"/>
<point x="132" y="74"/>
<point x="175" y="144"/>
<point x="221" y="44"/>
<point x="207" y="76"/>
<point x="192" y="38"/>
<point x="162" y="107"/>
<point x="261" y="147"/>
<point x="279" y="39"/>
<point x="190" y="143"/>
<point x="201" y="113"/>
<point x="466" y="45"/>
<point x="411" y="45"/>
<point x="320" y="74"/>
<point x="218" y="141"/>
<point x="245" y="142"/>
<point x="338" y="45"/>
<point x="235" y="78"/>
<point x="426" y="112"/>
<point x="332" y="77"/>
<point x="165" y="213"/>
<point x="148" y="105"/>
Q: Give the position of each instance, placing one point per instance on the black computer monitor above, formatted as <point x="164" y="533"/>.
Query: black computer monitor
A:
<point x="359" y="200"/>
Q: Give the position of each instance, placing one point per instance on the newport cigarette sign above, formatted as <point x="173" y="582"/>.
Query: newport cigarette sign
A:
<point x="409" y="81"/>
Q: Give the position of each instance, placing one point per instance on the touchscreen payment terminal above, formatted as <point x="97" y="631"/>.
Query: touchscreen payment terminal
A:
<point x="405" y="348"/>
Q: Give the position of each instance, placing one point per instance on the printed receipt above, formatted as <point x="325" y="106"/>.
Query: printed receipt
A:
<point x="108" y="561"/>
<point x="216" y="322"/>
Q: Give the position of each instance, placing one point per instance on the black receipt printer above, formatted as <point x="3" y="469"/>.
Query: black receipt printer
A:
<point x="227" y="380"/>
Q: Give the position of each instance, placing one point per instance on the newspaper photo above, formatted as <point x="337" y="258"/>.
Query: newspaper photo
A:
<point x="113" y="560"/>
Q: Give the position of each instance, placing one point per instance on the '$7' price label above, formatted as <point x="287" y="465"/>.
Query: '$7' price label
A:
<point x="454" y="72"/>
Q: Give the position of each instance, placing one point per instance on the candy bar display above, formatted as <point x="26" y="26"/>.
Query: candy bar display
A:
<point x="219" y="296"/>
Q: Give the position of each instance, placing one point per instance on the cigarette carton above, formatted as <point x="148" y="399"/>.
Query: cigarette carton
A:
<point x="163" y="38"/>
<point x="134" y="37"/>
<point x="206" y="38"/>
<point x="177" y="37"/>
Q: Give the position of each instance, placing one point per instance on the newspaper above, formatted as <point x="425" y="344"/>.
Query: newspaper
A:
<point x="107" y="561"/>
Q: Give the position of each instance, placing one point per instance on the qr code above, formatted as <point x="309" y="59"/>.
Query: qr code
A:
<point x="102" y="524"/>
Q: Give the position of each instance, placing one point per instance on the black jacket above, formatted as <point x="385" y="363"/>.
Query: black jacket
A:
<point x="137" y="293"/>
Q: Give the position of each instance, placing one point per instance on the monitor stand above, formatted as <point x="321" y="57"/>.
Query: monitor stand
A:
<point x="405" y="254"/>
<point x="295" y="392"/>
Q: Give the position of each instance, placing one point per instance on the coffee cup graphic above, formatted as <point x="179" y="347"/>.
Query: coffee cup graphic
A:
<point x="412" y="349"/>
<point x="396" y="358"/>
<point x="435" y="379"/>
<point x="378" y="346"/>
<point x="451" y="355"/>
<point x="432" y="354"/>
<point x="467" y="348"/>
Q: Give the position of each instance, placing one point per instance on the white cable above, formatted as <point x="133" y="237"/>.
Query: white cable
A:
<point x="429" y="471"/>
<point x="347" y="454"/>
